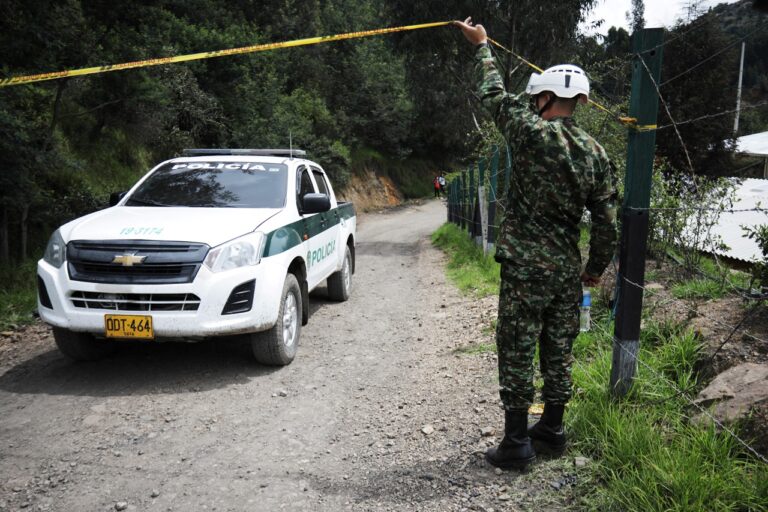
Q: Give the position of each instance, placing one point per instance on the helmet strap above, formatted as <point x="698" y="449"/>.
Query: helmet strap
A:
<point x="548" y="104"/>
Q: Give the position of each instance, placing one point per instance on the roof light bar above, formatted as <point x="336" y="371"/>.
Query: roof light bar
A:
<point x="245" y="152"/>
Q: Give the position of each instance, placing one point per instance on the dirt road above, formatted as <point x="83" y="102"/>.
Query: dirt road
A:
<point x="378" y="411"/>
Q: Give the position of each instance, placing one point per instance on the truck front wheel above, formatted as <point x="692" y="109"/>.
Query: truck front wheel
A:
<point x="81" y="346"/>
<point x="278" y="346"/>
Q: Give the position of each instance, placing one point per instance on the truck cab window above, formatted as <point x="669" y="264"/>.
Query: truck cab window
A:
<point x="322" y="186"/>
<point x="305" y="186"/>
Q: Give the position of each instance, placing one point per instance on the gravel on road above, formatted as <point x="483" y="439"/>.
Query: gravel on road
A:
<point x="381" y="410"/>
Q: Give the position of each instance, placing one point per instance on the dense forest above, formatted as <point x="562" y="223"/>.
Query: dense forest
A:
<point x="66" y="144"/>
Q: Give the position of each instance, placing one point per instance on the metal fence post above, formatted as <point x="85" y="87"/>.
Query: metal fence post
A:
<point x="643" y="105"/>
<point x="471" y="202"/>
<point x="493" y="191"/>
<point x="477" y="213"/>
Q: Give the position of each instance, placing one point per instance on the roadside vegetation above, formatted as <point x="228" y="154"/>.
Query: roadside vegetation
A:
<point x="470" y="269"/>
<point x="651" y="450"/>
<point x="18" y="298"/>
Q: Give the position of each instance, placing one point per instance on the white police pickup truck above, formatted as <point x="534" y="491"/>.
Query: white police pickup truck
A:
<point x="215" y="243"/>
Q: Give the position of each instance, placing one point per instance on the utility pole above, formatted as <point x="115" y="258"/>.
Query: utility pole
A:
<point x="643" y="105"/>
<point x="738" y="93"/>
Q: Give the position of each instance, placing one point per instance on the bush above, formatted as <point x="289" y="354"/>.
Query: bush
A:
<point x="760" y="268"/>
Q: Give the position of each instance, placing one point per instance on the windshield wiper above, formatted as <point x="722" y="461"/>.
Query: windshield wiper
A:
<point x="147" y="202"/>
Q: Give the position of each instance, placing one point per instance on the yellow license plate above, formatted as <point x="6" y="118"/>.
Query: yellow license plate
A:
<point x="128" y="326"/>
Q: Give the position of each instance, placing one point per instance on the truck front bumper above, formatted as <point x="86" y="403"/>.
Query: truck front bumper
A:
<point x="212" y="289"/>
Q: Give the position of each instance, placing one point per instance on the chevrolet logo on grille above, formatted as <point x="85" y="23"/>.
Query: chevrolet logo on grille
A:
<point x="129" y="260"/>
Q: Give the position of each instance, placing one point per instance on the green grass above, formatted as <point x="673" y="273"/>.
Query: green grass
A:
<point x="712" y="280"/>
<point x="699" y="288"/>
<point x="648" y="456"/>
<point x="737" y="278"/>
<point x="468" y="268"/>
<point x="18" y="297"/>
<point x="651" y="275"/>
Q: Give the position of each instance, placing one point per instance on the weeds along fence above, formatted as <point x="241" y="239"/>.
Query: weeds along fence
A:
<point x="476" y="202"/>
<point x="679" y="220"/>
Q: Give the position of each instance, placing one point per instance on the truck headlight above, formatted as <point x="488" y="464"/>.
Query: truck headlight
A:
<point x="241" y="252"/>
<point x="56" y="250"/>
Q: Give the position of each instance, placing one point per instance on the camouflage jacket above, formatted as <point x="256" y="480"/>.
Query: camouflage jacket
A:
<point x="557" y="171"/>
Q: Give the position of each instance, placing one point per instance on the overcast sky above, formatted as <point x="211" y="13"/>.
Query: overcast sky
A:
<point x="658" y="13"/>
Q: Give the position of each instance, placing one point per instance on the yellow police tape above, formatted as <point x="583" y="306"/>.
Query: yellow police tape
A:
<point x="626" y="121"/>
<point x="5" y="82"/>
<point x="42" y="77"/>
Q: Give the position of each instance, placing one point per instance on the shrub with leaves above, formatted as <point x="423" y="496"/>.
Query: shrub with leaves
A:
<point x="684" y="211"/>
<point x="760" y="268"/>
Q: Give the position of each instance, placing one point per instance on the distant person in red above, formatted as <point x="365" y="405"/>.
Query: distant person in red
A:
<point x="436" y="183"/>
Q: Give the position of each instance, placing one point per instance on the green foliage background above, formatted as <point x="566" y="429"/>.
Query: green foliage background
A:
<point x="408" y="98"/>
<point x="66" y="144"/>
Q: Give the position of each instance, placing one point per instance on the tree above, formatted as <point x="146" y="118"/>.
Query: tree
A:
<point x="439" y="62"/>
<point x="636" y="17"/>
<point x="692" y="87"/>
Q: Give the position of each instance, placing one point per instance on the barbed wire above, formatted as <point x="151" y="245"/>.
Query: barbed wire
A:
<point x="682" y="393"/>
<point x="725" y="341"/>
<point x="718" y="114"/>
<point x="712" y="56"/>
<point x="693" y="27"/>
<point x="695" y="208"/>
<point x="669" y="114"/>
<point x="694" y="310"/>
<point x="459" y="209"/>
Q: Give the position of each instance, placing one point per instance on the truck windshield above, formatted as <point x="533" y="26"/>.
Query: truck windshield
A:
<point x="214" y="184"/>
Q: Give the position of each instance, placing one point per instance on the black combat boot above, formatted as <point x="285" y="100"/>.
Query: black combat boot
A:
<point x="547" y="434"/>
<point x="515" y="450"/>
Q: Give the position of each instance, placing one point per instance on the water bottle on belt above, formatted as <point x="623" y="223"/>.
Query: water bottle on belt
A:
<point x="586" y="303"/>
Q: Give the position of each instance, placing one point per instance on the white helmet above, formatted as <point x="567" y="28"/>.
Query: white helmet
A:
<point x="564" y="80"/>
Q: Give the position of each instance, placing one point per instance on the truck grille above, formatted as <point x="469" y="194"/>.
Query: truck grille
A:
<point x="136" y="301"/>
<point x="149" y="262"/>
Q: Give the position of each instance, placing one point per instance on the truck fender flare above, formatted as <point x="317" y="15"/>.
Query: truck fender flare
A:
<point x="299" y="269"/>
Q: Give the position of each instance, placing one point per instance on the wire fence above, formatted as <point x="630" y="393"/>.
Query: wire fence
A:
<point x="683" y="393"/>
<point x="477" y="199"/>
<point x="482" y="184"/>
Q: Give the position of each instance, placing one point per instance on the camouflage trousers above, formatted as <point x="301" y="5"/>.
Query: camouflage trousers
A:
<point x="536" y="305"/>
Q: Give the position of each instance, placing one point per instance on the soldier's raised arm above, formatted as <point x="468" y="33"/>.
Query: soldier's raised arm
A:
<point x="510" y="112"/>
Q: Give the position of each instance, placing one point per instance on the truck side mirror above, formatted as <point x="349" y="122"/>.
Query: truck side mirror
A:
<point x="315" y="203"/>
<point x="115" y="197"/>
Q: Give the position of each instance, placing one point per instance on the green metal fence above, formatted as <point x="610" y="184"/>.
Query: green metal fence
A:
<point x="476" y="197"/>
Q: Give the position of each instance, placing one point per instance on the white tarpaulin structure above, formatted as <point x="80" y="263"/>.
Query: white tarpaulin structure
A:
<point x="752" y="193"/>
<point x="755" y="145"/>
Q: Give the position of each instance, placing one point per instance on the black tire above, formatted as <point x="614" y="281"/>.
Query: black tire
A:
<point x="278" y="346"/>
<point x="340" y="283"/>
<point x="81" y="346"/>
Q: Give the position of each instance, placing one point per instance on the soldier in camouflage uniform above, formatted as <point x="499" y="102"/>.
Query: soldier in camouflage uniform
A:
<point x="558" y="170"/>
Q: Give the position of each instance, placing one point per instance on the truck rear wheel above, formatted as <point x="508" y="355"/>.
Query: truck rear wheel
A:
<point x="278" y="346"/>
<point x="340" y="283"/>
<point x="81" y="346"/>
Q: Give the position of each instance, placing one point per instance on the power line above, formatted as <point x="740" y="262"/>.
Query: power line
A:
<point x="718" y="114"/>
<point x="701" y="62"/>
